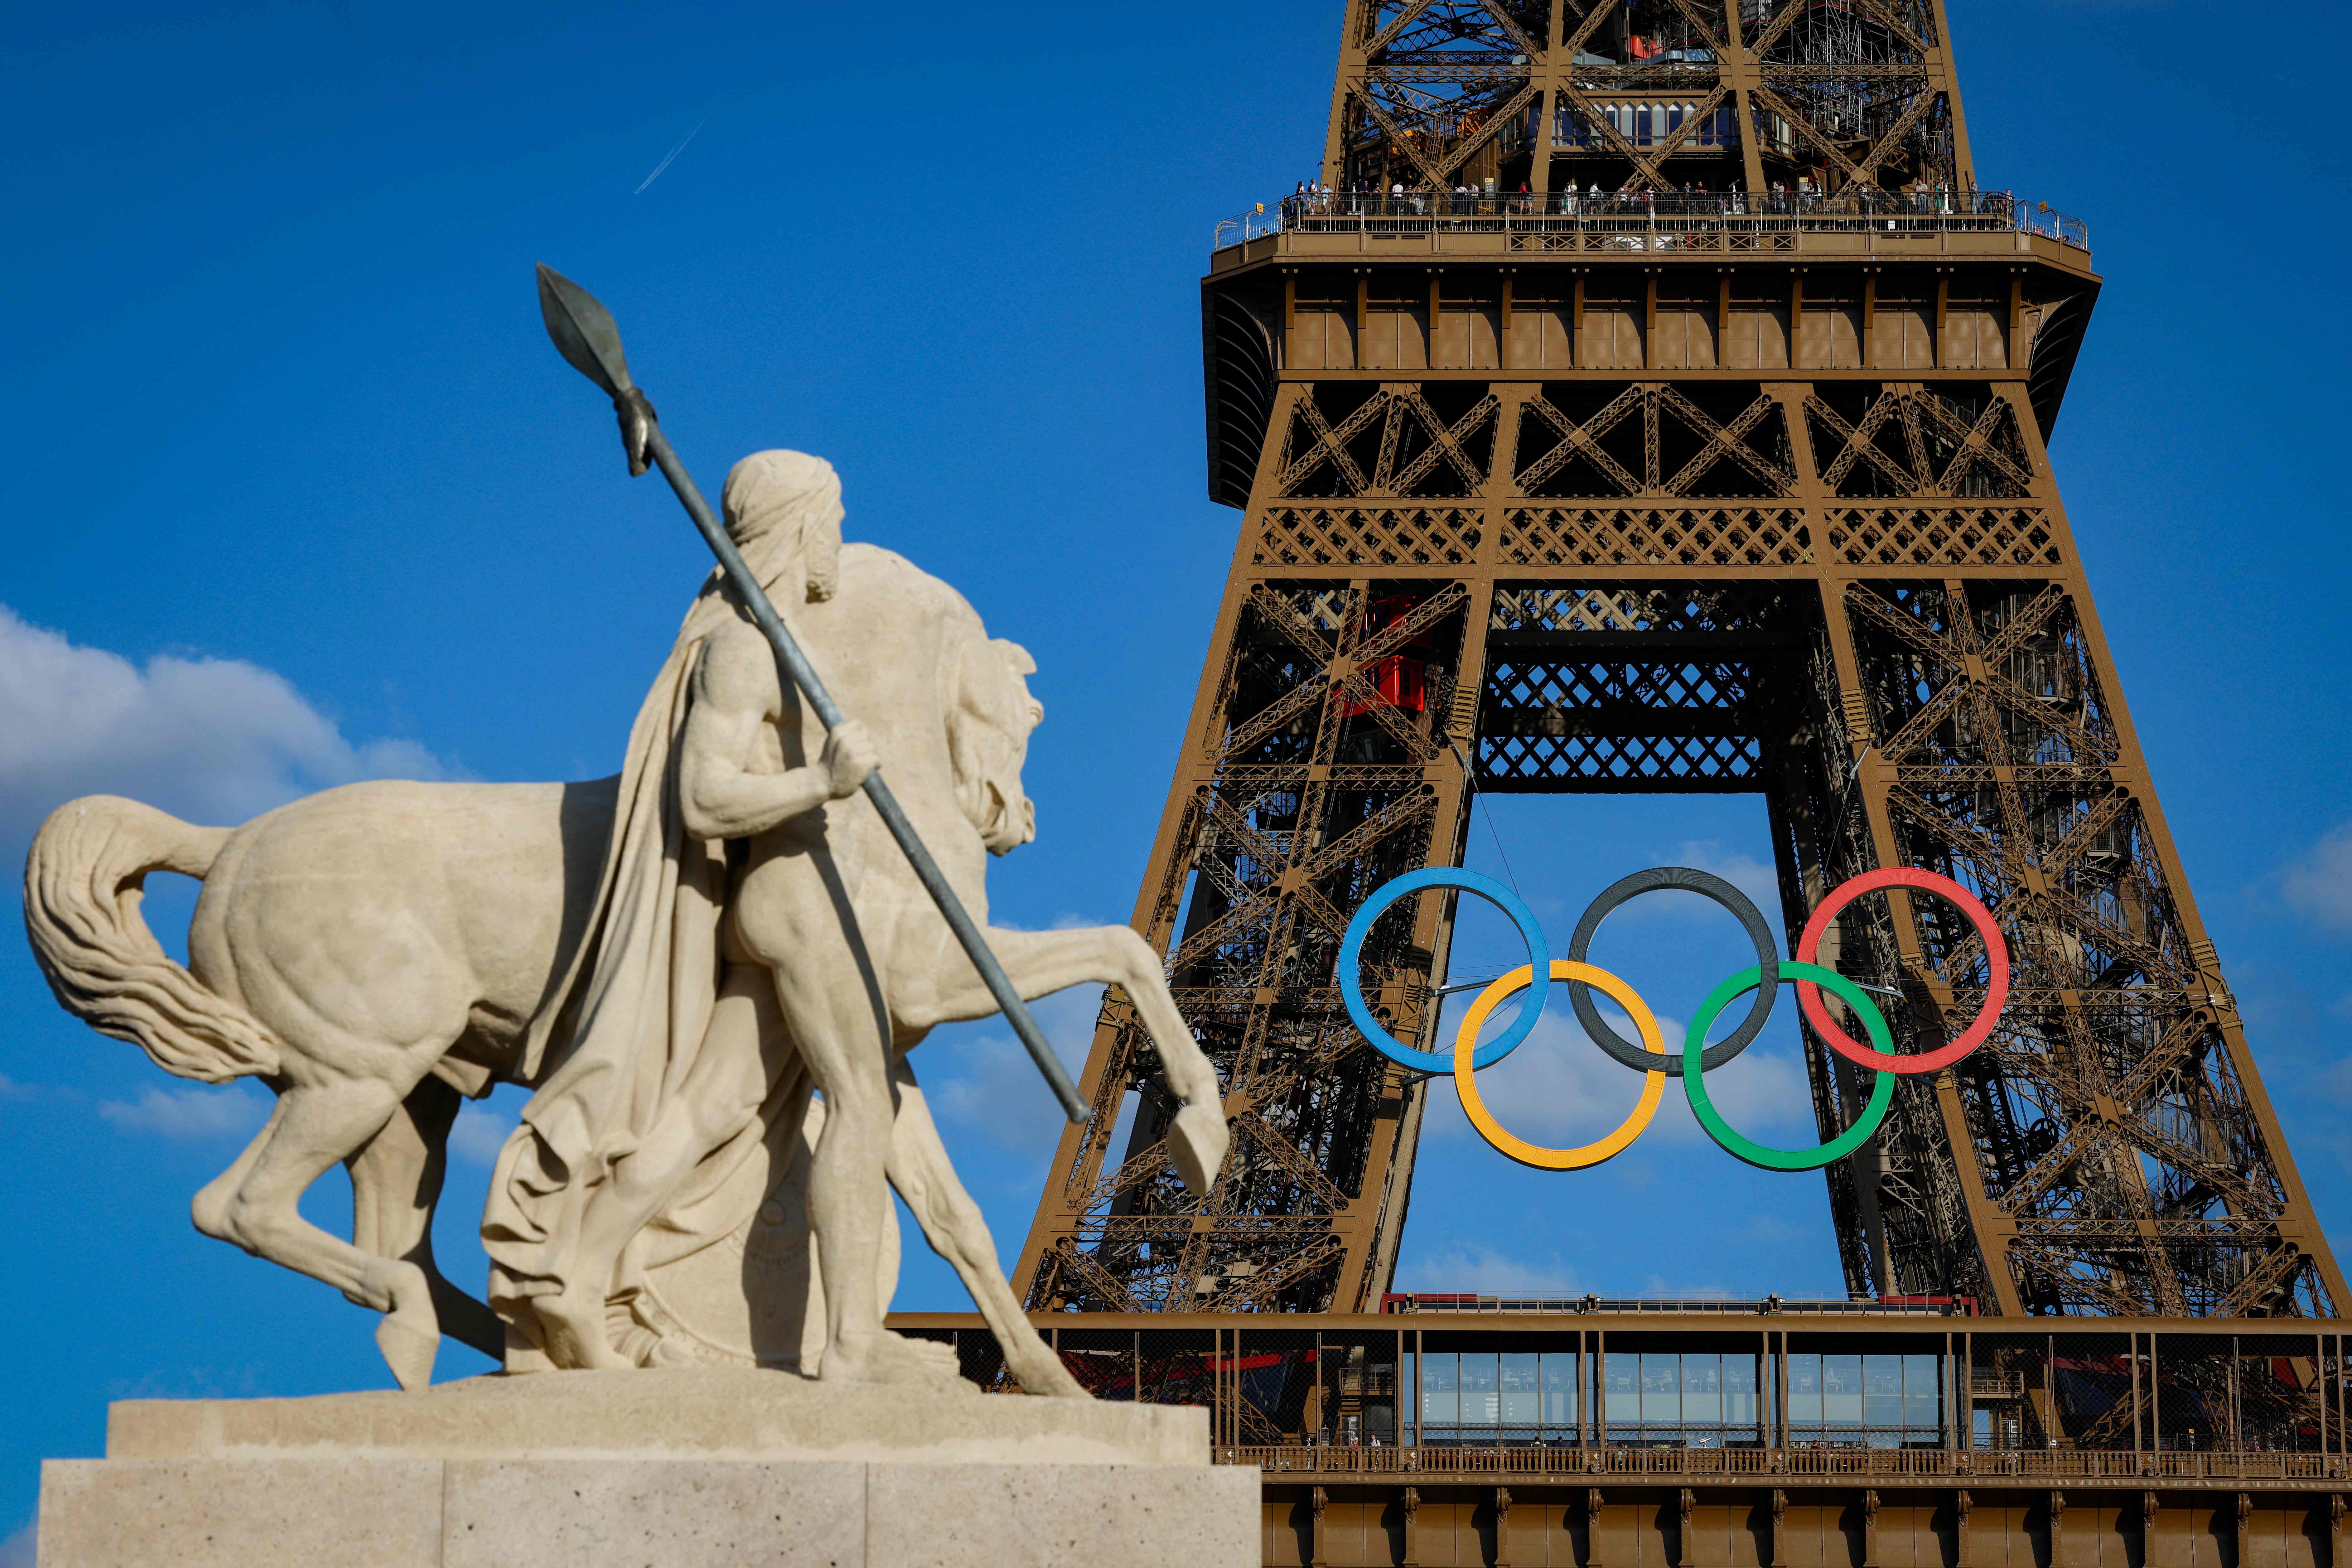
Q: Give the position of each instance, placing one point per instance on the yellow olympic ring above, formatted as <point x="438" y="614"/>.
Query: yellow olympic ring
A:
<point x="1466" y="1042"/>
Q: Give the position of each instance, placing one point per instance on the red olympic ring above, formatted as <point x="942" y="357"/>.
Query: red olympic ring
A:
<point x="1809" y="995"/>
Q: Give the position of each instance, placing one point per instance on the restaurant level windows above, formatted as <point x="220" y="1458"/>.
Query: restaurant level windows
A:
<point x="1484" y="1398"/>
<point x="1874" y="1400"/>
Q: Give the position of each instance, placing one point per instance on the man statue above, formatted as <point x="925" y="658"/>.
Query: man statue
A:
<point x="671" y="958"/>
<point x="678" y="1044"/>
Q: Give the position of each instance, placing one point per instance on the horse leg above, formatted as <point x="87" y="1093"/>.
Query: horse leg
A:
<point x="210" y="1208"/>
<point x="957" y="1232"/>
<point x="1040" y="963"/>
<point x="395" y="1183"/>
<point x="316" y="1125"/>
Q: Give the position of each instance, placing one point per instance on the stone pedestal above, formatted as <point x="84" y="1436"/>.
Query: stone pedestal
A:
<point x="702" y="1466"/>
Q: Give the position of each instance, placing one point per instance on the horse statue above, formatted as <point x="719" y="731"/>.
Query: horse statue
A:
<point x="378" y="952"/>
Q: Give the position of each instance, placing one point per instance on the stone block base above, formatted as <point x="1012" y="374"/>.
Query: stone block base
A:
<point x="642" y="1513"/>
<point x="705" y="1467"/>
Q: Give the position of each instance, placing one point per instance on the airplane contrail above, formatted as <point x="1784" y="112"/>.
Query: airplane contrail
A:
<point x="671" y="156"/>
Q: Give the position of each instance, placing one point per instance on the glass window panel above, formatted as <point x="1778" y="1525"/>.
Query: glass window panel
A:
<point x="1702" y="1389"/>
<point x="1520" y="1437"/>
<point x="1481" y="1388"/>
<point x="1923" y="1393"/>
<point x="1881" y="1387"/>
<point x="1404" y="1390"/>
<point x="1662" y="1389"/>
<point x="1522" y="1392"/>
<point x="1841" y="1390"/>
<point x="1621" y="1386"/>
<point x="1560" y="1378"/>
<point x="1805" y="1389"/>
<point x="1740" y="1391"/>
<point x="1441" y="1389"/>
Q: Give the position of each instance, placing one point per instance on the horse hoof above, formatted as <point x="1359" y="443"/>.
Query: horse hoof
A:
<point x="408" y="1351"/>
<point x="1198" y="1142"/>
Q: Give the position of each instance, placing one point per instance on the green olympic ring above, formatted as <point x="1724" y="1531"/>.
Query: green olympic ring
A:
<point x="1763" y="1156"/>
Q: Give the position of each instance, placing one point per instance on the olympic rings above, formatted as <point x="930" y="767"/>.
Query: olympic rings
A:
<point x="1809" y="996"/>
<point x="1696" y="1058"/>
<point x="1351" y="948"/>
<point x="1681" y="878"/>
<point x="1654" y="1080"/>
<point x="1882" y="1093"/>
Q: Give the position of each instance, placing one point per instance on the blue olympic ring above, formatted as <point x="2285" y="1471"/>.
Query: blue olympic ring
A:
<point x="1494" y="892"/>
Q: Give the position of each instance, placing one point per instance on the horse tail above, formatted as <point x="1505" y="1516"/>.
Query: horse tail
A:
<point x="83" y="882"/>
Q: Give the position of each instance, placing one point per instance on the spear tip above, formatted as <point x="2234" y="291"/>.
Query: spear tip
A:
<point x="584" y="332"/>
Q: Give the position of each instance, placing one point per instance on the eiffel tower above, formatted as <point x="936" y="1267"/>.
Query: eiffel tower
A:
<point x="1654" y="400"/>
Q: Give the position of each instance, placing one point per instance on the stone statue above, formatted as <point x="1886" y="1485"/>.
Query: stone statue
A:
<point x="672" y="959"/>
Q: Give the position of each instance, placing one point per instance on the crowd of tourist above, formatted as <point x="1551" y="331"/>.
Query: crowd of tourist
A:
<point x="1693" y="199"/>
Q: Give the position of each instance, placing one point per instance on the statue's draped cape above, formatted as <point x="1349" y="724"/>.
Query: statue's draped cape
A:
<point x="626" y="1023"/>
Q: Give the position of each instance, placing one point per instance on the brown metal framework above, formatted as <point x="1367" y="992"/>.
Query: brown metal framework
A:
<point x="1645" y="94"/>
<point x="1754" y="1440"/>
<point x="1721" y="495"/>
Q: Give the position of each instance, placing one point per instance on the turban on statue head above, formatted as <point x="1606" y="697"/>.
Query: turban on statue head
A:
<point x="779" y="504"/>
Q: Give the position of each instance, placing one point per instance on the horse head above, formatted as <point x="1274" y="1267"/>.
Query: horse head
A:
<point x="988" y="740"/>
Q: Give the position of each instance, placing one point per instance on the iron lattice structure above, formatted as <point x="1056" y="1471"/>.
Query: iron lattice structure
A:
<point x="1645" y="94"/>
<point x="1687" y="491"/>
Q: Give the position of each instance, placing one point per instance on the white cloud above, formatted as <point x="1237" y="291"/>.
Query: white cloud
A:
<point x="479" y="1133"/>
<point x="987" y="1084"/>
<point x="1476" y="1270"/>
<point x="2318" y="885"/>
<point x="1745" y="872"/>
<point x="1774" y="1230"/>
<point x="17" y="1552"/>
<point x="215" y="740"/>
<point x="1558" y="1090"/>
<point x="189" y="1114"/>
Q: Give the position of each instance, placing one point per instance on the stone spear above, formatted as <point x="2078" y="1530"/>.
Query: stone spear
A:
<point x="586" y="335"/>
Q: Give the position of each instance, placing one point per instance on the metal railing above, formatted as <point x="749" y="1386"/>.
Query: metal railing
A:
<point x="1412" y="1302"/>
<point x="1653" y="220"/>
<point x="2055" y="1464"/>
<point x="1247" y="226"/>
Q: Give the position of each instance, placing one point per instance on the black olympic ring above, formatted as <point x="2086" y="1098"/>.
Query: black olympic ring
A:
<point x="1681" y="879"/>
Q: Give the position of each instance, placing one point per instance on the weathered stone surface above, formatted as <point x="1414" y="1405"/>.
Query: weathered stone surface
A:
<point x="240" y="1513"/>
<point x="643" y="1513"/>
<point x="674" y="1412"/>
<point x="627" y="1513"/>
<point x="1060" y="1516"/>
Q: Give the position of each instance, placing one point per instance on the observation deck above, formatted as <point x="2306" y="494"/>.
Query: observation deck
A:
<point x="1665" y="226"/>
<point x="1825" y="1391"/>
<point x="1760" y="1435"/>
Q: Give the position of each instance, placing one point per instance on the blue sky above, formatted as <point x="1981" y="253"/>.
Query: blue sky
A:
<point x="298" y="493"/>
